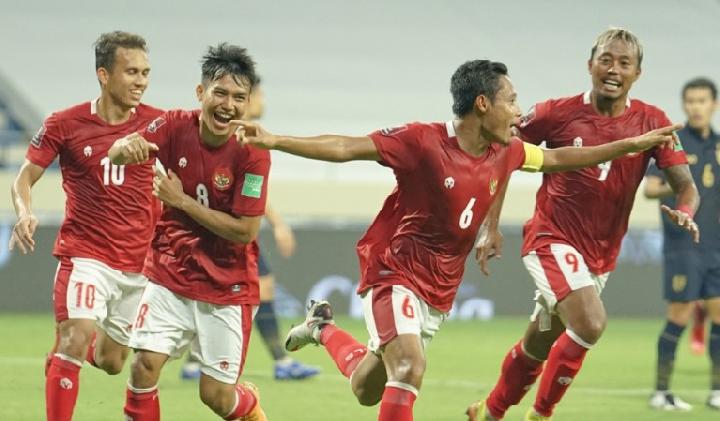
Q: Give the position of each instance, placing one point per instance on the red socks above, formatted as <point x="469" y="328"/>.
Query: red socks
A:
<point x="142" y="404"/>
<point x="62" y="382"/>
<point x="245" y="402"/>
<point x="343" y="348"/>
<point x="563" y="363"/>
<point x="397" y="402"/>
<point x="517" y="375"/>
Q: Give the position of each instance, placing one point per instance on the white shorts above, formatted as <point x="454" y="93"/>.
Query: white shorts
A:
<point x="89" y="289"/>
<point x="557" y="270"/>
<point x="392" y="310"/>
<point x="217" y="335"/>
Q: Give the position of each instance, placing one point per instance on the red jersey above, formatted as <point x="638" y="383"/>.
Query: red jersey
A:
<point x="588" y="209"/>
<point x="186" y="257"/>
<point x="109" y="208"/>
<point x="428" y="224"/>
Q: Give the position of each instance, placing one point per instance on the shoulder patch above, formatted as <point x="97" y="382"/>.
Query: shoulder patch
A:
<point x="252" y="186"/>
<point x="36" y="140"/>
<point x="155" y="125"/>
<point x="389" y="131"/>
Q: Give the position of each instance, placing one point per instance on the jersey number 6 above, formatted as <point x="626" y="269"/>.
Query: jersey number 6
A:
<point x="467" y="215"/>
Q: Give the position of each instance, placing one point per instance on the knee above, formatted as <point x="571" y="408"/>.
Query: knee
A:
<point x="111" y="365"/>
<point x="74" y="342"/>
<point x="143" y="372"/>
<point x="408" y="370"/>
<point x="591" y="329"/>
<point x="367" y="396"/>
<point x="219" y="400"/>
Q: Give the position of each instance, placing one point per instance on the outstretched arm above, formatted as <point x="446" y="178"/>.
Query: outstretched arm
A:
<point x="332" y="148"/>
<point x="570" y="158"/>
<point x="22" y="235"/>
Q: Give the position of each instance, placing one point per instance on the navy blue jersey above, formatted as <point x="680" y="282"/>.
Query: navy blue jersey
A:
<point x="704" y="160"/>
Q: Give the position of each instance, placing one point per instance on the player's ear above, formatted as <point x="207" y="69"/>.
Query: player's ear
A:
<point x="482" y="102"/>
<point x="590" y="66"/>
<point x="103" y="75"/>
<point x="199" y="91"/>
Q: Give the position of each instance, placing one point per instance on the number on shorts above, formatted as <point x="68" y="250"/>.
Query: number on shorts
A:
<point x="112" y="173"/>
<point x="572" y="260"/>
<point x="467" y="214"/>
<point x="604" y="170"/>
<point x="202" y="195"/>
<point x="85" y="290"/>
<point x="142" y="312"/>
<point x="407" y="308"/>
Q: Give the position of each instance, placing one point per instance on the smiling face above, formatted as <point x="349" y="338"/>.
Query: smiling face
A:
<point x="501" y="114"/>
<point x="222" y="100"/>
<point x="614" y="68"/>
<point x="126" y="80"/>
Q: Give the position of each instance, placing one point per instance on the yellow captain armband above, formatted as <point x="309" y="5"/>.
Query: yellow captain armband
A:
<point x="534" y="158"/>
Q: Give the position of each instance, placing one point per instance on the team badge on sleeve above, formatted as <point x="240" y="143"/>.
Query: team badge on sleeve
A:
<point x="252" y="186"/>
<point x="155" y="125"/>
<point x="222" y="179"/>
<point x="38" y="137"/>
<point x="389" y="131"/>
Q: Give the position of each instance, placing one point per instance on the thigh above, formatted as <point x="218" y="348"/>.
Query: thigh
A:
<point x="164" y="322"/>
<point x="82" y="289"/>
<point x="390" y="310"/>
<point x="223" y="360"/>
<point x="682" y="277"/>
<point x="122" y="307"/>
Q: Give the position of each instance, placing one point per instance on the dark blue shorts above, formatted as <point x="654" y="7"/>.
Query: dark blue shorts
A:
<point x="691" y="275"/>
<point x="263" y="266"/>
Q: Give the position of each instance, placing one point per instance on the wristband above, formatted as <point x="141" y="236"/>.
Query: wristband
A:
<point x="686" y="210"/>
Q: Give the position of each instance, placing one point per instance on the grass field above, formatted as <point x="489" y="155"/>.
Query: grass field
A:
<point x="463" y="364"/>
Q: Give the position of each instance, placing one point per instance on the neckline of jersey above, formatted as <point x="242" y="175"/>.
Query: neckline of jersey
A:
<point x="453" y="141"/>
<point x="586" y="99"/>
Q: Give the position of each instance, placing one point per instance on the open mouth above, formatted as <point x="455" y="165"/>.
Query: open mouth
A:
<point x="611" y="85"/>
<point x="222" y="118"/>
<point x="136" y="93"/>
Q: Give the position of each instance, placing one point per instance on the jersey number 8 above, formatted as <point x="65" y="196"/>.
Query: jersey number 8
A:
<point x="201" y="192"/>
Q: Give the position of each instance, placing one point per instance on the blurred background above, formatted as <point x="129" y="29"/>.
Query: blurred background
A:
<point x="345" y="67"/>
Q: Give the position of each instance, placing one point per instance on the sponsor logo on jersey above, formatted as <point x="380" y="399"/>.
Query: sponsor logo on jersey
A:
<point x="493" y="187"/>
<point x="389" y="131"/>
<point x="36" y="140"/>
<point x="449" y="183"/>
<point x="528" y="117"/>
<point x="182" y="163"/>
<point x="236" y="288"/>
<point x="87" y="150"/>
<point x="252" y="186"/>
<point x="577" y="142"/>
<point x="222" y="178"/>
<point x="155" y="125"/>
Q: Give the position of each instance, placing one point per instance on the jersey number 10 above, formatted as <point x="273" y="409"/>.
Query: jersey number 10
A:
<point x="112" y="173"/>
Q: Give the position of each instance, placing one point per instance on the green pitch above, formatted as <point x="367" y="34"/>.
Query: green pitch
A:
<point x="463" y="363"/>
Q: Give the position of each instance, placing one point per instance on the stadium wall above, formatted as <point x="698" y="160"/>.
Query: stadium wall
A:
<point x="325" y="266"/>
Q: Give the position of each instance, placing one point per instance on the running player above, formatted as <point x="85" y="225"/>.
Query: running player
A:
<point x="107" y="228"/>
<point x="572" y="242"/>
<point x="413" y="256"/>
<point x="692" y="271"/>
<point x="266" y="319"/>
<point x="202" y="263"/>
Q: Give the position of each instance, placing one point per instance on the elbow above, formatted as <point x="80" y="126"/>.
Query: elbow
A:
<point x="243" y="235"/>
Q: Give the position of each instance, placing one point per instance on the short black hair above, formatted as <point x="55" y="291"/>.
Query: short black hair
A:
<point x="227" y="59"/>
<point x="472" y="79"/>
<point x="700" y="82"/>
<point x="108" y="43"/>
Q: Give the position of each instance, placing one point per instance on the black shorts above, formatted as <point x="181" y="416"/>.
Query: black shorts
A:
<point x="263" y="266"/>
<point x="691" y="275"/>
